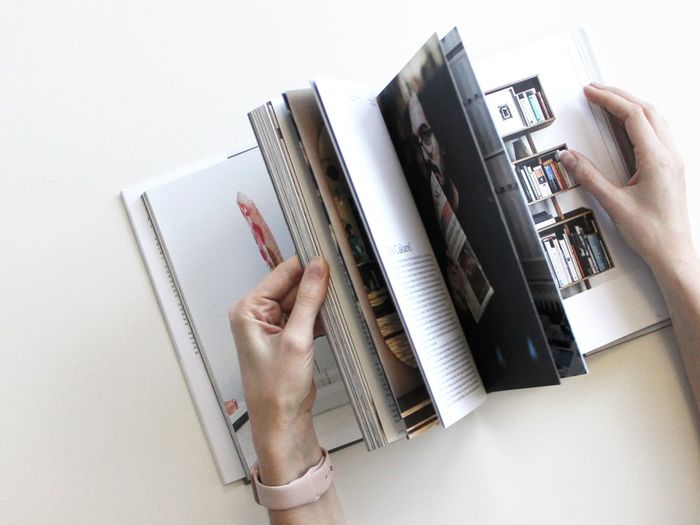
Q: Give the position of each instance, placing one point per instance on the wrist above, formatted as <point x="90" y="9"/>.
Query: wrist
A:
<point x="665" y="265"/>
<point x="286" y="448"/>
<point x="305" y="490"/>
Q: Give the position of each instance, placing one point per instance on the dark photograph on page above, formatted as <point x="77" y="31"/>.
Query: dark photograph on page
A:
<point x="449" y="183"/>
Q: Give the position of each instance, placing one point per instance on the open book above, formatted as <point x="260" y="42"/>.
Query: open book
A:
<point x="463" y="258"/>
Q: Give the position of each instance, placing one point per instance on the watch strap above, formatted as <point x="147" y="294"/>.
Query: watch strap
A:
<point x="306" y="489"/>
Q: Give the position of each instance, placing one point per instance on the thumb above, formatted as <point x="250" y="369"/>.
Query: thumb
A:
<point x="587" y="175"/>
<point x="310" y="296"/>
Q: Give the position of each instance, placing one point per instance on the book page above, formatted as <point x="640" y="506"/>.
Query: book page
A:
<point x="399" y="239"/>
<point x="620" y="296"/>
<point x="216" y="428"/>
<point x="507" y="195"/>
<point x="222" y="230"/>
<point x="383" y="323"/>
<point x="450" y="184"/>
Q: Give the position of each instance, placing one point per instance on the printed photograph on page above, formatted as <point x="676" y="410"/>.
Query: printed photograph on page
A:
<point x="594" y="269"/>
<point x="383" y="322"/>
<point x="449" y="182"/>
<point x="431" y="176"/>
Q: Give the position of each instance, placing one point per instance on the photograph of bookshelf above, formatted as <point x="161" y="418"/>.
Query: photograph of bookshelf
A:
<point x="571" y="240"/>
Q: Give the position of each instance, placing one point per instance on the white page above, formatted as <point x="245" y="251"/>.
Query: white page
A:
<point x="625" y="299"/>
<point x="200" y="387"/>
<point x="215" y="261"/>
<point x="402" y="245"/>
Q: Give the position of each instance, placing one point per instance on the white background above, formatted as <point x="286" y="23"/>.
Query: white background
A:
<point x="97" y="424"/>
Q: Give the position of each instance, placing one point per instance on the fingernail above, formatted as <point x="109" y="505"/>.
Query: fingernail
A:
<point x="568" y="159"/>
<point x="596" y="85"/>
<point x="316" y="267"/>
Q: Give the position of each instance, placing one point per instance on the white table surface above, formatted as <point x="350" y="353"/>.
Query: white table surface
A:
<point x="97" y="423"/>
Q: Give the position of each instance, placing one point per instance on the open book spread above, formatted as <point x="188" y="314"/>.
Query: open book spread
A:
<point x="463" y="257"/>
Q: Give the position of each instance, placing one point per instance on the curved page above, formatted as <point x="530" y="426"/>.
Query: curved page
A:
<point x="399" y="239"/>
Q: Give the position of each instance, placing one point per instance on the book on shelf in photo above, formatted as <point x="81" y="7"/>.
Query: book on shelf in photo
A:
<point x="543" y="218"/>
<point x="456" y="269"/>
<point x="526" y="108"/>
<point x="542" y="174"/>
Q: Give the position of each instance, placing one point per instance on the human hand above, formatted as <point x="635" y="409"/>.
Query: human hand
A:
<point x="650" y="211"/>
<point x="273" y="327"/>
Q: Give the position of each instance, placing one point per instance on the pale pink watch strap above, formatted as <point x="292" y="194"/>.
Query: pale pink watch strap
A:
<point x="306" y="489"/>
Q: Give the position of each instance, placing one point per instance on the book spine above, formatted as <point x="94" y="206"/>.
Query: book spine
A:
<point x="594" y="228"/>
<point x="534" y="182"/>
<point x="554" y="259"/>
<point x="597" y="250"/>
<point x="543" y="105"/>
<point x="587" y="249"/>
<point x="574" y="253"/>
<point x="527" y="109"/>
<point x="569" y="258"/>
<point x="569" y="181"/>
<point x="566" y="259"/>
<point x="516" y="103"/>
<point x="565" y="174"/>
<point x="525" y="185"/>
<point x="582" y="257"/>
<point x="541" y="179"/>
<point x="562" y="262"/>
<point x="560" y="176"/>
<point x="560" y="180"/>
<point x="549" y="257"/>
<point x="532" y="99"/>
<point x="550" y="178"/>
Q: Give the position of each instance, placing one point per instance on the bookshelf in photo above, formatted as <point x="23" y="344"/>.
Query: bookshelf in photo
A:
<point x="571" y="240"/>
<point x="519" y="108"/>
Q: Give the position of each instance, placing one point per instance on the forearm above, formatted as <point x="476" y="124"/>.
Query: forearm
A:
<point x="274" y="327"/>
<point x="679" y="279"/>
<point x="326" y="510"/>
<point x="285" y="452"/>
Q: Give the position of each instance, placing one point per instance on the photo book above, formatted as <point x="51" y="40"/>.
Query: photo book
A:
<point x="463" y="258"/>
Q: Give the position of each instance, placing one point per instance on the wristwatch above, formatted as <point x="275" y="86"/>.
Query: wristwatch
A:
<point x="306" y="489"/>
